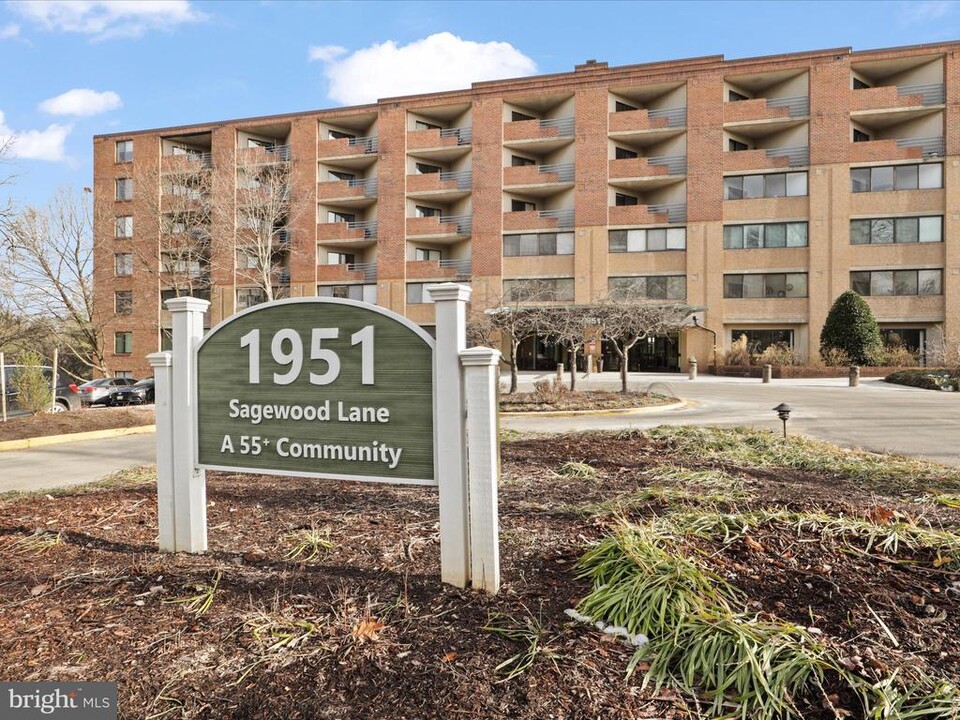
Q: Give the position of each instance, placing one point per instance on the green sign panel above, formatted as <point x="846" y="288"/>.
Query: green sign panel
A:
<point x="320" y="387"/>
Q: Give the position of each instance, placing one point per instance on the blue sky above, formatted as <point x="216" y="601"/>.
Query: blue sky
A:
<point x="75" y="69"/>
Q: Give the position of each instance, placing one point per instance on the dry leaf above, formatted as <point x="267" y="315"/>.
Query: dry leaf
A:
<point x="367" y="629"/>
<point x="449" y="657"/>
<point x="37" y="589"/>
<point x="941" y="561"/>
<point x="752" y="544"/>
<point x="880" y="515"/>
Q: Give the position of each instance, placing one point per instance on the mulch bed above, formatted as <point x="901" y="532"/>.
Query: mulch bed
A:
<point x="386" y="638"/>
<point x="75" y="421"/>
<point x="573" y="401"/>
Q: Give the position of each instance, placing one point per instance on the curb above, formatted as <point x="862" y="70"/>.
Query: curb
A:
<point x="615" y="411"/>
<point x="73" y="437"/>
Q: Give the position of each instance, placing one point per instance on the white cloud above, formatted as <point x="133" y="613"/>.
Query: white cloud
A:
<point x="8" y="32"/>
<point x="36" y="144"/>
<point x="439" y="62"/>
<point x="325" y="53"/>
<point x="107" y="18"/>
<point x="81" y="101"/>
<point x="927" y="10"/>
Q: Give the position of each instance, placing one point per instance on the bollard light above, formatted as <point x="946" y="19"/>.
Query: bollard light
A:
<point x="783" y="412"/>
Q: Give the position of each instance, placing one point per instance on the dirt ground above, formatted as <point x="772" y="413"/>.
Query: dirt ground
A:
<point x="83" y="420"/>
<point x="365" y="629"/>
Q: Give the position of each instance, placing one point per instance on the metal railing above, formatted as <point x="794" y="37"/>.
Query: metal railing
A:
<point x="564" y="218"/>
<point x="463" y="178"/>
<point x="463" y="267"/>
<point x="930" y="94"/>
<point x="281" y="238"/>
<point x="205" y="159"/>
<point x="931" y="146"/>
<point x="279" y="152"/>
<point x="369" y="227"/>
<point x="369" y="185"/>
<point x="564" y="126"/>
<point x="676" y="117"/>
<point x="283" y="276"/>
<point x="797" y="105"/>
<point x="369" y="270"/>
<point x="464" y="223"/>
<point x="796" y="156"/>
<point x="464" y="135"/>
<point x="676" y="212"/>
<point x="676" y="164"/>
<point x="367" y="144"/>
<point x="563" y="171"/>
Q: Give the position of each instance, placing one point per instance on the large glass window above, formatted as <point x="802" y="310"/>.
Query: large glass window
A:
<point x="882" y="178"/>
<point x="655" y="287"/>
<point x="651" y="240"/>
<point x="123" y="264"/>
<point x="885" y="231"/>
<point x="530" y="244"/>
<point x="897" y="282"/>
<point x="123" y="227"/>
<point x="765" y="235"/>
<point x="539" y="290"/>
<point x="765" y="285"/>
<point x="123" y="343"/>
<point x="744" y="187"/>
<point x="367" y="293"/>
<point x="760" y="340"/>
<point x="123" y="302"/>
<point x="124" y="151"/>
<point x="124" y="189"/>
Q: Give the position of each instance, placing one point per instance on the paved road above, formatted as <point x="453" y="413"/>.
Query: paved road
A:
<point x="875" y="416"/>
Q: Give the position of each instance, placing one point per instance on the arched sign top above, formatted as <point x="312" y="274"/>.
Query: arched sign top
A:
<point x="319" y="387"/>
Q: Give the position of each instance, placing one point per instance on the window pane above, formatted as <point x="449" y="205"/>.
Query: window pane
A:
<point x="775" y="285"/>
<point x="355" y="292"/>
<point x="859" y="232"/>
<point x="751" y="235"/>
<point x="881" y="178"/>
<point x="677" y="239"/>
<point x="796" y="285"/>
<point x="733" y="286"/>
<point x="905" y="177"/>
<point x="796" y="184"/>
<point x="636" y="240"/>
<point x="753" y="286"/>
<point x="529" y="245"/>
<point x="905" y="282"/>
<point x="881" y="282"/>
<point x="732" y="188"/>
<point x="881" y="231"/>
<point x="860" y="180"/>
<point x="931" y="176"/>
<point x="564" y="289"/>
<point x="906" y="230"/>
<point x="753" y="186"/>
<point x="657" y="239"/>
<point x="931" y="229"/>
<point x="548" y="244"/>
<point x="657" y="288"/>
<point x="776" y="185"/>
<point x="930" y="282"/>
<point x="511" y="245"/>
<point x="775" y="235"/>
<point x="733" y="237"/>
<point x="618" y="241"/>
<point x="796" y="234"/>
<point x="565" y="244"/>
<point x="414" y="293"/>
<point x="676" y="287"/>
<point x="860" y="282"/>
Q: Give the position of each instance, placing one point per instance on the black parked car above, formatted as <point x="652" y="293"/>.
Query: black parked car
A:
<point x="139" y="393"/>
<point x="67" y="396"/>
<point x="98" y="392"/>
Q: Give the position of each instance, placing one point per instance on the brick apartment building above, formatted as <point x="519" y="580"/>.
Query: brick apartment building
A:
<point x="755" y="189"/>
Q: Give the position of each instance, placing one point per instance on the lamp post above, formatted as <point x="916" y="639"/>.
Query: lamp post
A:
<point x="783" y="412"/>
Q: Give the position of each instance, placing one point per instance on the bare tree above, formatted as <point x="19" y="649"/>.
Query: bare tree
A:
<point x="48" y="254"/>
<point x="567" y="326"/>
<point x="6" y="205"/>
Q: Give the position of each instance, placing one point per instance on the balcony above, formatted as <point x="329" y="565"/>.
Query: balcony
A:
<point x="453" y="269"/>
<point x="359" y="192"/>
<point x="647" y="121"/>
<point x="443" y="185"/>
<point x="897" y="149"/>
<point x="361" y="230"/>
<point x="887" y="97"/>
<point x="440" y="227"/>
<point x="759" y="109"/>
<point x="766" y="158"/>
<point x="546" y="179"/>
<point x="653" y="214"/>
<point x="264" y="155"/>
<point x="440" y="144"/>
<point x="538" y="220"/>
<point x="352" y="152"/>
<point x="186" y="162"/>
<point x="546" y="135"/>
<point x="647" y="171"/>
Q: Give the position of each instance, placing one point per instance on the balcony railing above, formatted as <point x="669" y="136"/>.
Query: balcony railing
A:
<point x="463" y="178"/>
<point x="283" y="276"/>
<point x="563" y="171"/>
<point x="203" y="159"/>
<point x="369" y="270"/>
<point x="676" y="164"/>
<point x="280" y="153"/>
<point x="797" y="106"/>
<point x="796" y="156"/>
<point x="676" y="117"/>
<point x="464" y="223"/>
<point x="930" y="94"/>
<point x="463" y="267"/>
<point x="930" y="146"/>
<point x="676" y="212"/>
<point x="281" y="239"/>
<point x="369" y="186"/>
<point x="564" y="126"/>
<point x="564" y="218"/>
<point x="464" y="135"/>
<point x="367" y="144"/>
<point x="369" y="227"/>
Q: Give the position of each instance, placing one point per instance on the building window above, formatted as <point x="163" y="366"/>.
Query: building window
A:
<point x="340" y="258"/>
<point x="766" y="235"/>
<point x="520" y="161"/>
<point x="522" y="206"/>
<point x="123" y="302"/>
<point x="860" y="136"/>
<point x="123" y="264"/>
<point x="334" y="216"/>
<point x="124" y="189"/>
<point x="248" y="297"/>
<point x="621" y="153"/>
<point x="124" y="374"/>
<point x="123" y="343"/>
<point x="424" y="211"/>
<point x="622" y="200"/>
<point x="530" y="244"/>
<point x="421" y="125"/>
<point x="736" y="145"/>
<point x="886" y="231"/>
<point x="427" y="169"/>
<point x="124" y="151"/>
<point x="366" y="293"/>
<point x="338" y="135"/>
<point x="619" y="106"/>
<point x="337" y="176"/>
<point x="652" y="240"/>
<point x="428" y="255"/>
<point x="176" y="262"/>
<point x="123" y="227"/>
<point x="539" y="290"/>
<point x="859" y="84"/>
<point x="655" y="287"/>
<point x="882" y="178"/>
<point x="517" y="116"/>
<point x="897" y="282"/>
<point x="760" y="340"/>
<point x="248" y="259"/>
<point x="734" y="96"/>
<point x="765" y="285"/>
<point x="745" y="187"/>
<point x="416" y="295"/>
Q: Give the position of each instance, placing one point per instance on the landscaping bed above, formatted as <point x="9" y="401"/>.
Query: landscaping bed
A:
<point x="573" y="401"/>
<point x="929" y="379"/>
<point x="799" y="371"/>
<point x="75" y="421"/>
<point x="322" y="599"/>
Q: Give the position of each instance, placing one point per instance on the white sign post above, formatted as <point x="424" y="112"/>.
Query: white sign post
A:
<point x="190" y="384"/>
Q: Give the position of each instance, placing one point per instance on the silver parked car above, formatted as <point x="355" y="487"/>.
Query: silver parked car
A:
<point x="98" y="392"/>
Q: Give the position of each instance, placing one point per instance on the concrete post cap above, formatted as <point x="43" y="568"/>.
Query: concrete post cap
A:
<point x="160" y="359"/>
<point x="187" y="304"/>
<point x="449" y="291"/>
<point x="479" y="356"/>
